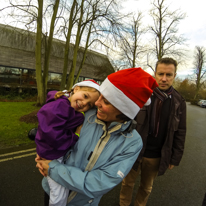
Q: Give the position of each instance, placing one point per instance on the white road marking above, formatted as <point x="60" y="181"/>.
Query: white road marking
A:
<point x="17" y="157"/>
<point x="22" y="151"/>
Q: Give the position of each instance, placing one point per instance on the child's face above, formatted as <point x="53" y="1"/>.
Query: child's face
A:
<point x="83" y="99"/>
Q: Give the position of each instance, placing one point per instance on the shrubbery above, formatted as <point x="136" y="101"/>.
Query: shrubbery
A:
<point x="18" y="94"/>
<point x="193" y="102"/>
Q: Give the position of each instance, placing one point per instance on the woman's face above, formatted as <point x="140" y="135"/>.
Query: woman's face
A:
<point x="106" y="111"/>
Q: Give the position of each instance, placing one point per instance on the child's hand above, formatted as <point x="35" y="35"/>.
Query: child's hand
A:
<point x="38" y="165"/>
<point x="78" y="130"/>
<point x="42" y="165"/>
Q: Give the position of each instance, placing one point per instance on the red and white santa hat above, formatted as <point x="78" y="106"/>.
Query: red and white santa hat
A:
<point x="128" y="90"/>
<point x="88" y="83"/>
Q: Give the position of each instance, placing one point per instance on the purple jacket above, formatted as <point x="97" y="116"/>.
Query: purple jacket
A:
<point x="57" y="125"/>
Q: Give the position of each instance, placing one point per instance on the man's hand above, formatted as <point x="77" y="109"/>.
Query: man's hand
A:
<point x="170" y="166"/>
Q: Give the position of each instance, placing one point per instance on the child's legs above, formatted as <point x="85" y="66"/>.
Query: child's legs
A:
<point x="58" y="193"/>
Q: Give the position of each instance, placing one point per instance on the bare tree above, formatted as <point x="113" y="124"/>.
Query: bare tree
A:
<point x="32" y="14"/>
<point x="164" y="30"/>
<point x="130" y="42"/>
<point x="42" y="84"/>
<point x="200" y="70"/>
<point x="91" y="21"/>
<point x="76" y="47"/>
<point x="68" y="29"/>
<point x="97" y="22"/>
<point x="185" y="87"/>
<point x="101" y="25"/>
<point x="38" y="55"/>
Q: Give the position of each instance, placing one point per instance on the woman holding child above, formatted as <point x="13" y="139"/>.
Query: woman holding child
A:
<point x="108" y="145"/>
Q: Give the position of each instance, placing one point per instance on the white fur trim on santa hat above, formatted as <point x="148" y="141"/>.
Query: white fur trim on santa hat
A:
<point x="148" y="102"/>
<point x="118" y="99"/>
<point x="87" y="83"/>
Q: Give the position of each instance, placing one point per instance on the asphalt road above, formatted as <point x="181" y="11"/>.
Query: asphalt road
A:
<point x="185" y="185"/>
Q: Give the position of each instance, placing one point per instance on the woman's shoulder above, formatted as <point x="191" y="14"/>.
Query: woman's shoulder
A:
<point x="91" y="112"/>
<point x="136" y="134"/>
<point x="133" y="136"/>
<point x="89" y="118"/>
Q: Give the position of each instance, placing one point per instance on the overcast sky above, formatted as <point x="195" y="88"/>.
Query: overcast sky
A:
<point x="193" y="27"/>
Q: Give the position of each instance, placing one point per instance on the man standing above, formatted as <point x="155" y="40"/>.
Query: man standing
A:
<point x="162" y="126"/>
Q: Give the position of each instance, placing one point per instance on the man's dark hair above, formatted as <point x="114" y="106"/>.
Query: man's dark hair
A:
<point x="167" y="61"/>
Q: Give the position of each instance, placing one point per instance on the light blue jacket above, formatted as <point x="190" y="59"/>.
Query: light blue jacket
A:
<point x="112" y="165"/>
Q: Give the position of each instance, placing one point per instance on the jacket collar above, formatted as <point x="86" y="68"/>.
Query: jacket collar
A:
<point x="114" y="126"/>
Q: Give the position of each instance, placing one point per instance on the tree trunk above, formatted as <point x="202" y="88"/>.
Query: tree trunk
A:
<point x="70" y="81"/>
<point x="85" y="51"/>
<point x="48" y="46"/>
<point x="66" y="52"/>
<point x="40" y="96"/>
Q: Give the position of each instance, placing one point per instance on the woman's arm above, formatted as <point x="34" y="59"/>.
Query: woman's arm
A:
<point x="99" y="180"/>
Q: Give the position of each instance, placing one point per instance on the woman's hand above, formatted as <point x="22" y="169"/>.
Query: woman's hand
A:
<point x="38" y="165"/>
<point x="42" y="165"/>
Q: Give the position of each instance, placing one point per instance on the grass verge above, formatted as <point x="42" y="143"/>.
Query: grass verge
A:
<point x="14" y="132"/>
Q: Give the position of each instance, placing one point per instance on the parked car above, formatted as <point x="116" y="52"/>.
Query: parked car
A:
<point x="203" y="104"/>
<point x="200" y="102"/>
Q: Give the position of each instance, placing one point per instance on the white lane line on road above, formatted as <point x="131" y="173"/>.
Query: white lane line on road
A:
<point x="17" y="157"/>
<point x="13" y="153"/>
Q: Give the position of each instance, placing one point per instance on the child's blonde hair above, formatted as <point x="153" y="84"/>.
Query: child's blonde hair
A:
<point x="85" y="88"/>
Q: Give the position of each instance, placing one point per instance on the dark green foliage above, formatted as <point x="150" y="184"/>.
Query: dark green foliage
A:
<point x="17" y="94"/>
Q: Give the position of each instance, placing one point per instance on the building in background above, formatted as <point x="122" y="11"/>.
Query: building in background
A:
<point x="17" y="60"/>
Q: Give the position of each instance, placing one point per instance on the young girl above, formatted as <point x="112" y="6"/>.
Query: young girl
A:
<point x="58" y="121"/>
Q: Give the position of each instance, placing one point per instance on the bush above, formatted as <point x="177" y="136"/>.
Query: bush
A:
<point x="18" y="94"/>
<point x="193" y="101"/>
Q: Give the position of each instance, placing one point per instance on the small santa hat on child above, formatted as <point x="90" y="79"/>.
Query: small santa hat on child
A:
<point x="128" y="90"/>
<point x="88" y="83"/>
